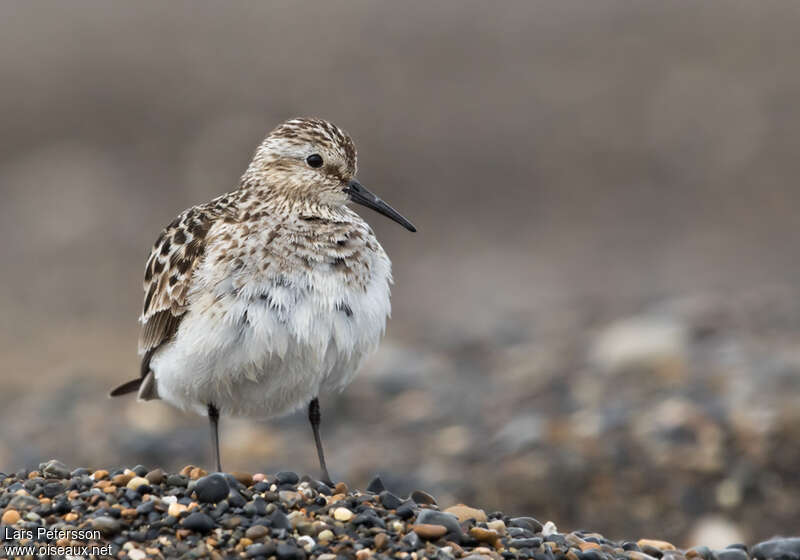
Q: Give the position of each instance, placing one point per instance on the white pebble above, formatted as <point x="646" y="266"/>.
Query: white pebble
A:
<point x="549" y="529"/>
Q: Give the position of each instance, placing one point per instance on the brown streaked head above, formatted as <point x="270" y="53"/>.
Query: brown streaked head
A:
<point x="314" y="161"/>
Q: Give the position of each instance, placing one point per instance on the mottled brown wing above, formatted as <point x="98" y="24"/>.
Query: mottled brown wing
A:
<point x="168" y="277"/>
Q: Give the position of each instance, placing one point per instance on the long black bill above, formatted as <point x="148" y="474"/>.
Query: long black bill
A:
<point x="360" y="195"/>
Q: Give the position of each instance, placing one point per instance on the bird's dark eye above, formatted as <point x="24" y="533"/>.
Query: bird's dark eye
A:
<point x="314" y="160"/>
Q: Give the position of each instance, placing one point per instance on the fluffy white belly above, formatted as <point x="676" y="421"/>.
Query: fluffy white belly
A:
<point x="251" y="357"/>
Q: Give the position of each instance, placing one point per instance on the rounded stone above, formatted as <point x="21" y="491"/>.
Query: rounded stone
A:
<point x="287" y="477"/>
<point x="198" y="522"/>
<point x="10" y="516"/>
<point x="429" y="531"/>
<point x="212" y="489"/>
<point x="137" y="481"/>
<point x="156" y="476"/>
<point x="256" y="532"/>
<point x="106" y="525"/>
<point x="464" y="513"/>
<point x="342" y="514"/>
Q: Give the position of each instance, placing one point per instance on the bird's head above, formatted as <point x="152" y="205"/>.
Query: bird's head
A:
<point x="313" y="161"/>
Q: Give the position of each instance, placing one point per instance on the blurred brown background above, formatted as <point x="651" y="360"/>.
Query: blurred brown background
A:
<point x="597" y="322"/>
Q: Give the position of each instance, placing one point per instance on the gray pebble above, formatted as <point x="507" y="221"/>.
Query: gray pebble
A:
<point x="211" y="489"/>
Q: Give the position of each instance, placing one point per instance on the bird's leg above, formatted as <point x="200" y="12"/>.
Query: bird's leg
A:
<point x="314" y="417"/>
<point x="213" y="416"/>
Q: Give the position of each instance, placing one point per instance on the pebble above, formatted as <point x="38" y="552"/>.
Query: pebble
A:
<point x="106" y="525"/>
<point x="137" y="481"/>
<point x="243" y="478"/>
<point x="429" y="531"/>
<point x="342" y="514"/>
<point x="463" y="513"/>
<point x="137" y="554"/>
<point x="199" y="522"/>
<point x="10" y="516"/>
<point x="660" y="545"/>
<point x="433" y="517"/>
<point x="783" y="548"/>
<point x="528" y="523"/>
<point x="375" y="485"/>
<point x="175" y="509"/>
<point x="156" y="476"/>
<point x="423" y="498"/>
<point x="256" y="532"/>
<point x="389" y="500"/>
<point x="211" y="489"/>
<point x="484" y="535"/>
<point x="54" y="469"/>
<point x="325" y="535"/>
<point x="287" y="477"/>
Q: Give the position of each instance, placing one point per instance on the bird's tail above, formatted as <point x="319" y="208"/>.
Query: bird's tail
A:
<point x="127" y="387"/>
<point x="145" y="385"/>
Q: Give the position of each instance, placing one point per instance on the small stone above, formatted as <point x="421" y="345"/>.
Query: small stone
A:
<point x="433" y="517"/>
<point x="381" y="540"/>
<point x="137" y="554"/>
<point x="175" y="509"/>
<point x="129" y="513"/>
<point x="405" y="511"/>
<point x="340" y="488"/>
<point x="197" y="473"/>
<point x="342" y="514"/>
<point x="660" y="545"/>
<point x="287" y="477"/>
<point x="156" y="476"/>
<point x="99" y="474"/>
<point x="412" y="539"/>
<point x="198" y="522"/>
<point x="364" y="554"/>
<point x="121" y="479"/>
<point x="731" y="554"/>
<point x="53" y="489"/>
<point x="484" y="535"/>
<point x="243" y="478"/>
<point x="290" y="498"/>
<point x="788" y="549"/>
<point x="256" y="532"/>
<point x="306" y="542"/>
<point x="497" y="525"/>
<point x="211" y="489"/>
<point x="106" y="525"/>
<point x="176" y="480"/>
<point x="326" y="535"/>
<point x="423" y="498"/>
<point x="255" y="550"/>
<point x="137" y="481"/>
<point x="389" y="500"/>
<point x="549" y="528"/>
<point x="528" y="523"/>
<point x="376" y="485"/>
<point x="286" y="551"/>
<point x="463" y="513"/>
<point x="10" y="517"/>
<point x="54" y="469"/>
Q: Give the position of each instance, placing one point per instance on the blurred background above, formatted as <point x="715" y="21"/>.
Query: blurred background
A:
<point x="598" y="322"/>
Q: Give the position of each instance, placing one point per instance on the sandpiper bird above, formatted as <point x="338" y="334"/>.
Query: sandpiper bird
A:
<point x="265" y="297"/>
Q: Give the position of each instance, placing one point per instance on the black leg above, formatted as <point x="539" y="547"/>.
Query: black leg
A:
<point x="213" y="416"/>
<point x="314" y="417"/>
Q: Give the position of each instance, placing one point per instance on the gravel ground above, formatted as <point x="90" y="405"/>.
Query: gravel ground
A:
<point x="139" y="513"/>
<point x="678" y="418"/>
